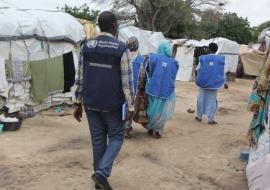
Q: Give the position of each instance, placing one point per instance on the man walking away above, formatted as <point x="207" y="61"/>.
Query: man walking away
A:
<point x="104" y="84"/>
<point x="210" y="77"/>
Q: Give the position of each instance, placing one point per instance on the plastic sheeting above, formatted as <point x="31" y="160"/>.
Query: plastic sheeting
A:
<point x="148" y="40"/>
<point x="33" y="49"/>
<point x="265" y="34"/>
<point x="37" y="34"/>
<point x="185" y="56"/>
<point x="19" y="96"/>
<point x="20" y="99"/>
<point x="252" y="60"/>
<point x="228" y="48"/>
<point x="41" y="24"/>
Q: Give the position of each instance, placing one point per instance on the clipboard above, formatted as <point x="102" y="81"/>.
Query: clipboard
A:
<point x="124" y="111"/>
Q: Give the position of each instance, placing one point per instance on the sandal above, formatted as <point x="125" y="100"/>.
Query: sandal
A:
<point x="212" y="123"/>
<point x="150" y="132"/>
<point x="156" y="135"/>
<point x="191" y="111"/>
<point x="127" y="134"/>
<point x="198" y="119"/>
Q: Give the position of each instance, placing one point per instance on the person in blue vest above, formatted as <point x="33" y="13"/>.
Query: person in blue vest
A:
<point x="137" y="60"/>
<point x="104" y="85"/>
<point x="210" y="77"/>
<point x="160" y="88"/>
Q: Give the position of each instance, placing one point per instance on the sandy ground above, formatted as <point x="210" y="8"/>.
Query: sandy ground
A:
<point x="53" y="153"/>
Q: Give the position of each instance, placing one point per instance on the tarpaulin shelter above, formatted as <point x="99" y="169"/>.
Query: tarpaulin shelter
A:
<point x="32" y="45"/>
<point x="183" y="51"/>
<point x="37" y="34"/>
<point x="251" y="59"/>
<point x="148" y="40"/>
<point x="264" y="38"/>
<point x="186" y="53"/>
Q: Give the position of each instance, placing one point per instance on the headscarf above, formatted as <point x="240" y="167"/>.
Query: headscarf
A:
<point x="133" y="43"/>
<point x="165" y="48"/>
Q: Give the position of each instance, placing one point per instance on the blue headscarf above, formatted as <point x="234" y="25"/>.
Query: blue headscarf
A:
<point x="165" y="48"/>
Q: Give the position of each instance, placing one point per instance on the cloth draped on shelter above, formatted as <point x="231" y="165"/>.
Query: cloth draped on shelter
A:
<point x="69" y="71"/>
<point x="47" y="77"/>
<point x="252" y="60"/>
<point x="3" y="79"/>
<point x="18" y="70"/>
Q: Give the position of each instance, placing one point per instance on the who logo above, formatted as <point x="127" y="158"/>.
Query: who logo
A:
<point x="92" y="44"/>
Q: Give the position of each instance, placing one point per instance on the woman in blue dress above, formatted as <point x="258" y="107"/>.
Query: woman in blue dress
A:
<point x="160" y="88"/>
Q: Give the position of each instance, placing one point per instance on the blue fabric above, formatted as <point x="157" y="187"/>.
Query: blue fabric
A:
<point x="161" y="75"/>
<point x="211" y="72"/>
<point x="165" y="49"/>
<point x="105" y="126"/>
<point x="207" y="103"/>
<point x="102" y="73"/>
<point x="159" y="111"/>
<point x="136" y="71"/>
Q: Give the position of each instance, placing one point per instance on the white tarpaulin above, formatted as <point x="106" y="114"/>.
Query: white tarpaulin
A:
<point x="185" y="57"/>
<point x="228" y="48"/>
<point x="265" y="34"/>
<point x="148" y="40"/>
<point x="37" y="34"/>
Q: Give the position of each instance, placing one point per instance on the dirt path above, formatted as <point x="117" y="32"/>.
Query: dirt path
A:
<point x="53" y="153"/>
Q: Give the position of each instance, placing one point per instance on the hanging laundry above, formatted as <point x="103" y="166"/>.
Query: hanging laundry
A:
<point x="47" y="77"/>
<point x="3" y="79"/>
<point x="69" y="71"/>
<point x="17" y="68"/>
<point x="19" y="73"/>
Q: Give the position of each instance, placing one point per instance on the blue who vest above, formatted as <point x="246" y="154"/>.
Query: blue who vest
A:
<point x="102" y="89"/>
<point x="211" y="72"/>
<point x="162" y="74"/>
<point x="136" y="71"/>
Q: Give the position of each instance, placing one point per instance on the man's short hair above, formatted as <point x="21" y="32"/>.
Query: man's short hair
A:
<point x="213" y="47"/>
<point x="105" y="20"/>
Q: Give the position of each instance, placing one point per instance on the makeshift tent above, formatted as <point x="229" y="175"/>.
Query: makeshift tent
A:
<point x="264" y="37"/>
<point x="228" y="48"/>
<point x="184" y="54"/>
<point x="33" y="43"/>
<point x="251" y="60"/>
<point x="148" y="40"/>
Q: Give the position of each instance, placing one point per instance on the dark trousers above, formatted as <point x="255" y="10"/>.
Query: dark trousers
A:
<point x="107" y="132"/>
